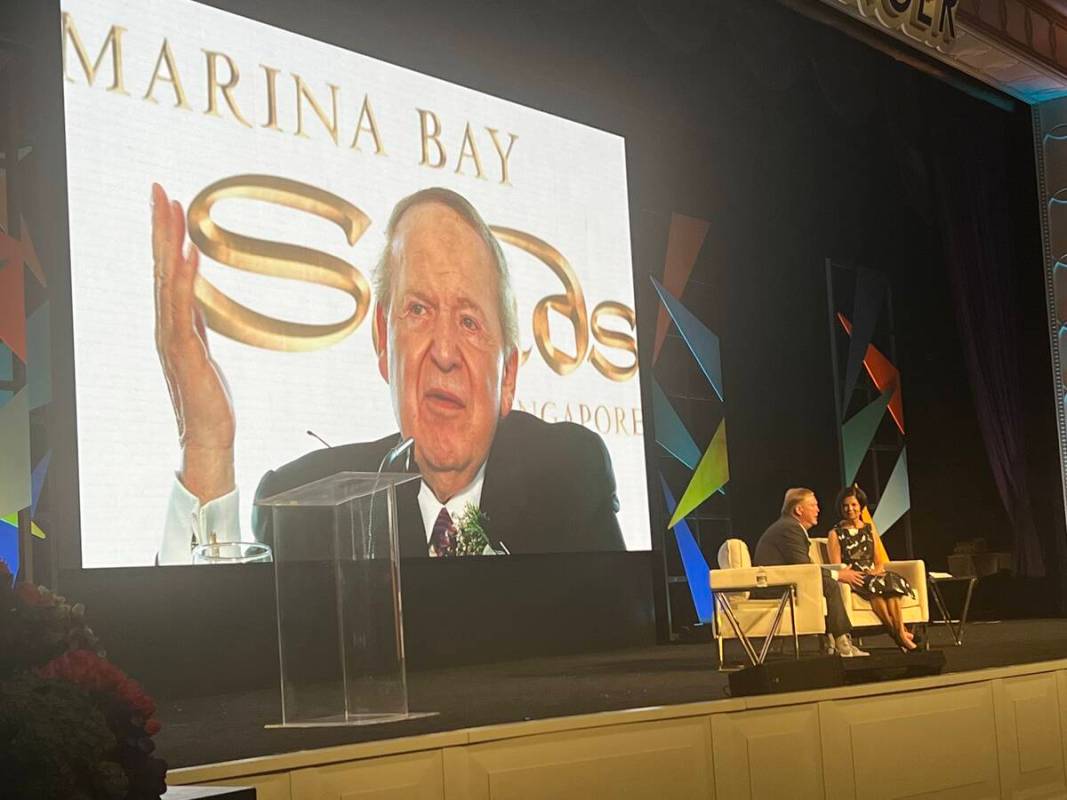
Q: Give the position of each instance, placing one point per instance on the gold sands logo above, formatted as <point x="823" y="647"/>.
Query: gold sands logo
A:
<point x="277" y="259"/>
<point x="296" y="262"/>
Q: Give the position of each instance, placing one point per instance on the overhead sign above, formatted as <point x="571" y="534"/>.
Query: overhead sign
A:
<point x="932" y="22"/>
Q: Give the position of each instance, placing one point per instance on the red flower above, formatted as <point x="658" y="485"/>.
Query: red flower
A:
<point x="30" y="595"/>
<point x="86" y="669"/>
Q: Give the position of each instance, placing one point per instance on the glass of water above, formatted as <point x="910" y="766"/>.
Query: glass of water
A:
<point x="232" y="553"/>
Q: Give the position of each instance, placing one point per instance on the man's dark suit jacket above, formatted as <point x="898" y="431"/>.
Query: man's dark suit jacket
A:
<point x="784" y="542"/>
<point x="549" y="488"/>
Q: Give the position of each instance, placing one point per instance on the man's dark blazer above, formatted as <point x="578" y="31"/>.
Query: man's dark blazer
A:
<point x="784" y="542"/>
<point x="549" y="488"/>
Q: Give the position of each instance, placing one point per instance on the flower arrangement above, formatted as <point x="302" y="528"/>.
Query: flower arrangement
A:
<point x="72" y="724"/>
<point x="471" y="538"/>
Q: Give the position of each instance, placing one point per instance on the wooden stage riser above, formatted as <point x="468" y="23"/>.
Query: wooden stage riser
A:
<point x="996" y="733"/>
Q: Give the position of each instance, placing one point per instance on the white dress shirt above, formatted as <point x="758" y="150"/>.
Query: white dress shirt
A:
<point x="431" y="507"/>
<point x="190" y="522"/>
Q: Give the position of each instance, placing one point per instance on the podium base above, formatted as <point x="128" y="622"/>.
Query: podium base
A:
<point x="341" y="721"/>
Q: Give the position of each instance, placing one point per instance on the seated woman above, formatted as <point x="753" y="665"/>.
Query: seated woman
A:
<point x="857" y="544"/>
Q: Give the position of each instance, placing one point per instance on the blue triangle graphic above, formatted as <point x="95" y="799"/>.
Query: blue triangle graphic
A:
<point x="671" y="432"/>
<point x="702" y="343"/>
<point x="37" y="482"/>
<point x="9" y="546"/>
<point x="693" y="562"/>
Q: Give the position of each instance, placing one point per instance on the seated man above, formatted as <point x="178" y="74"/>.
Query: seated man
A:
<point x="786" y="542"/>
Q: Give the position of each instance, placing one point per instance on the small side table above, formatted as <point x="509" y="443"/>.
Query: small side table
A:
<point x="786" y="599"/>
<point x="955" y="627"/>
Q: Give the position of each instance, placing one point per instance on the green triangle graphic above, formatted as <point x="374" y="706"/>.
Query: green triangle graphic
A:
<point x="712" y="473"/>
<point x="858" y="433"/>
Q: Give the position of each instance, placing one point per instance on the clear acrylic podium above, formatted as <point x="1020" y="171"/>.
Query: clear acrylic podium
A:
<point x="337" y="579"/>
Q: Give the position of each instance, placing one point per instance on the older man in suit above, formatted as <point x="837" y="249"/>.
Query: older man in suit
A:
<point x="786" y="542"/>
<point x="447" y="346"/>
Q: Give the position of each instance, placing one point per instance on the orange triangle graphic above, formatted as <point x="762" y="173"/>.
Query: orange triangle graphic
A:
<point x="882" y="373"/>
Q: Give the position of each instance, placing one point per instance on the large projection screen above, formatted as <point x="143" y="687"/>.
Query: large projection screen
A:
<point x="290" y="142"/>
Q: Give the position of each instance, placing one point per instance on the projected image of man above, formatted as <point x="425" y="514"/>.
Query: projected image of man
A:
<point x="448" y="336"/>
<point x="447" y="345"/>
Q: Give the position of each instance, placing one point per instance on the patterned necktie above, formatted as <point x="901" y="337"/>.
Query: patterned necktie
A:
<point x="442" y="539"/>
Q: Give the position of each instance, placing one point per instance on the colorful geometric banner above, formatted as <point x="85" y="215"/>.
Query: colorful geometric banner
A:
<point x="13" y="520"/>
<point x="29" y="253"/>
<point x="702" y="343"/>
<point x="12" y="297"/>
<point x="712" y="473"/>
<point x="896" y="499"/>
<point x="9" y="546"/>
<point x="883" y="374"/>
<point x="693" y="562"/>
<point x="671" y="433"/>
<point x="15" y="486"/>
<point x="684" y="240"/>
<point x="858" y="433"/>
<point x="37" y="477"/>
<point x="7" y="372"/>
<point x="870" y="288"/>
<point x="39" y="357"/>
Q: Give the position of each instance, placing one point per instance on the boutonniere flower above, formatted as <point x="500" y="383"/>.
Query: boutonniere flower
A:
<point x="471" y="538"/>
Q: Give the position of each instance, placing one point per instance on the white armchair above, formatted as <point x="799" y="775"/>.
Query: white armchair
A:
<point x="916" y="610"/>
<point x="756" y="616"/>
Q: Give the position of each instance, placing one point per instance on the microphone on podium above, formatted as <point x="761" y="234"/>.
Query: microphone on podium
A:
<point x="314" y="435"/>
<point x="402" y="447"/>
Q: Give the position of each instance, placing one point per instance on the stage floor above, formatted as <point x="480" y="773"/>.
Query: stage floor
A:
<point x="207" y="730"/>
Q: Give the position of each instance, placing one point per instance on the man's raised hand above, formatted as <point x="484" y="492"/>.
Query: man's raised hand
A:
<point x="198" y="390"/>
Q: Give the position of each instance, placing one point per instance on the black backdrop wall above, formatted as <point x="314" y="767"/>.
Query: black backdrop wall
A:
<point x="798" y="144"/>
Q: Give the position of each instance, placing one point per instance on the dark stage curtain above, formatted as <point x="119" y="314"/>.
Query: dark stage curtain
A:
<point x="952" y="176"/>
<point x="974" y="215"/>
